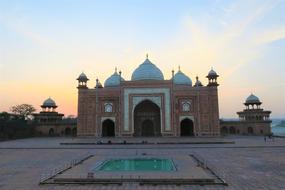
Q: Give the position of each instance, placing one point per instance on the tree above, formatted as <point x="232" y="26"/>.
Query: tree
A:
<point x="4" y="116"/>
<point x="24" y="110"/>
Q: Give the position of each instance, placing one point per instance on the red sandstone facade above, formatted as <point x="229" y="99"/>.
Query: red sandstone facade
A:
<point x="148" y="108"/>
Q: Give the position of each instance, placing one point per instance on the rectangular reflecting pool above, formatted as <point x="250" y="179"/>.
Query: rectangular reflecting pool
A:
<point x="137" y="164"/>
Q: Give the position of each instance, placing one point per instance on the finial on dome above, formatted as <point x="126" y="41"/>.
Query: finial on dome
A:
<point x="178" y="67"/>
<point x="120" y="72"/>
<point x="197" y="78"/>
<point x="115" y="69"/>
<point x="147" y="56"/>
<point x="172" y="73"/>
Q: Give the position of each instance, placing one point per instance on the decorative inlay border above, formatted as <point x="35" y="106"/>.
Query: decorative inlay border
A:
<point x="151" y="96"/>
<point x="111" y="118"/>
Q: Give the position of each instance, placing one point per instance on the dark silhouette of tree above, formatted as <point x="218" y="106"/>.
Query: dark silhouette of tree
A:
<point x="13" y="126"/>
<point x="23" y="110"/>
<point x="4" y="116"/>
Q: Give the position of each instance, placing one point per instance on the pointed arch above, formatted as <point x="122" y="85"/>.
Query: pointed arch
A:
<point x="147" y="119"/>
<point x="108" y="128"/>
<point x="186" y="127"/>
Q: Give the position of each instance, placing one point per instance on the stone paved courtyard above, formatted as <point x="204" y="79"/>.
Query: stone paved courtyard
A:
<point x="248" y="164"/>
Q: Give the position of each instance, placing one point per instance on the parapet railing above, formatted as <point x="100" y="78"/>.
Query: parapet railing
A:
<point x="214" y="170"/>
<point x="58" y="170"/>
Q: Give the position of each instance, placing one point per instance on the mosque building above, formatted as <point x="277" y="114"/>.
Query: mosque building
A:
<point x="253" y="120"/>
<point x="148" y="105"/>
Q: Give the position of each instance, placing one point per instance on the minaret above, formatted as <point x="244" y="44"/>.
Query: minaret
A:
<point x="82" y="81"/>
<point x="212" y="89"/>
<point x="81" y="117"/>
<point x="212" y="78"/>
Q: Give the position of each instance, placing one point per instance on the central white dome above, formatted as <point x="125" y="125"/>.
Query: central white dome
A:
<point x="147" y="71"/>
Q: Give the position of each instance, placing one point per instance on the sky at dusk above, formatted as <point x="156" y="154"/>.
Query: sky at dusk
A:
<point x="45" y="45"/>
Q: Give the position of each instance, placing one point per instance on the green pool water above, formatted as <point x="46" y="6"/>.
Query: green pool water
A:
<point x="137" y="165"/>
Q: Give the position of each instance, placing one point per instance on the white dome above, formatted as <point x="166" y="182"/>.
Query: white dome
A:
<point x="82" y="77"/>
<point x="181" y="78"/>
<point x="114" y="80"/>
<point x="49" y="103"/>
<point x="252" y="99"/>
<point x="212" y="73"/>
<point x="147" y="71"/>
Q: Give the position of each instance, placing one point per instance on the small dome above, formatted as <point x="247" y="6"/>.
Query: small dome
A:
<point x="98" y="84"/>
<point x="49" y="103"/>
<point x="82" y="77"/>
<point x="212" y="73"/>
<point x="147" y="71"/>
<point x="181" y="78"/>
<point x="114" y="80"/>
<point x="252" y="99"/>
<point x="198" y="82"/>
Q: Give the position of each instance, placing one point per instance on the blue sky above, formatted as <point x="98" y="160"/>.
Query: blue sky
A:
<point x="44" y="45"/>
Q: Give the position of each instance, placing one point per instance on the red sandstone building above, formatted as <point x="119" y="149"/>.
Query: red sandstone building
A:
<point x="50" y="122"/>
<point x="148" y="105"/>
<point x="253" y="120"/>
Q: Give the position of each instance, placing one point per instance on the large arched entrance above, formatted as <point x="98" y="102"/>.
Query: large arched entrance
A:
<point x="224" y="130"/>
<point x="232" y="130"/>
<point x="108" y="128"/>
<point x="147" y="119"/>
<point x="250" y="130"/>
<point x="186" y="127"/>
<point x="67" y="131"/>
<point x="147" y="128"/>
<point x="51" y="132"/>
<point x="74" y="131"/>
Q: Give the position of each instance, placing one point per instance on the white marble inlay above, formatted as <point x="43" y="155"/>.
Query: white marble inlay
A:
<point x="111" y="118"/>
<point x="191" y="117"/>
<point x="108" y="107"/>
<point x="139" y="99"/>
<point x="156" y="99"/>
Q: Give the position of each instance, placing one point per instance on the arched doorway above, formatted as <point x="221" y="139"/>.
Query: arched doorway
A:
<point x="186" y="127"/>
<point x="224" y="130"/>
<point x="147" y="119"/>
<point x="232" y="130"/>
<point x="74" y="131"/>
<point x="108" y="128"/>
<point x="147" y="128"/>
<point x="250" y="130"/>
<point x="51" y="132"/>
<point x="67" y="131"/>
